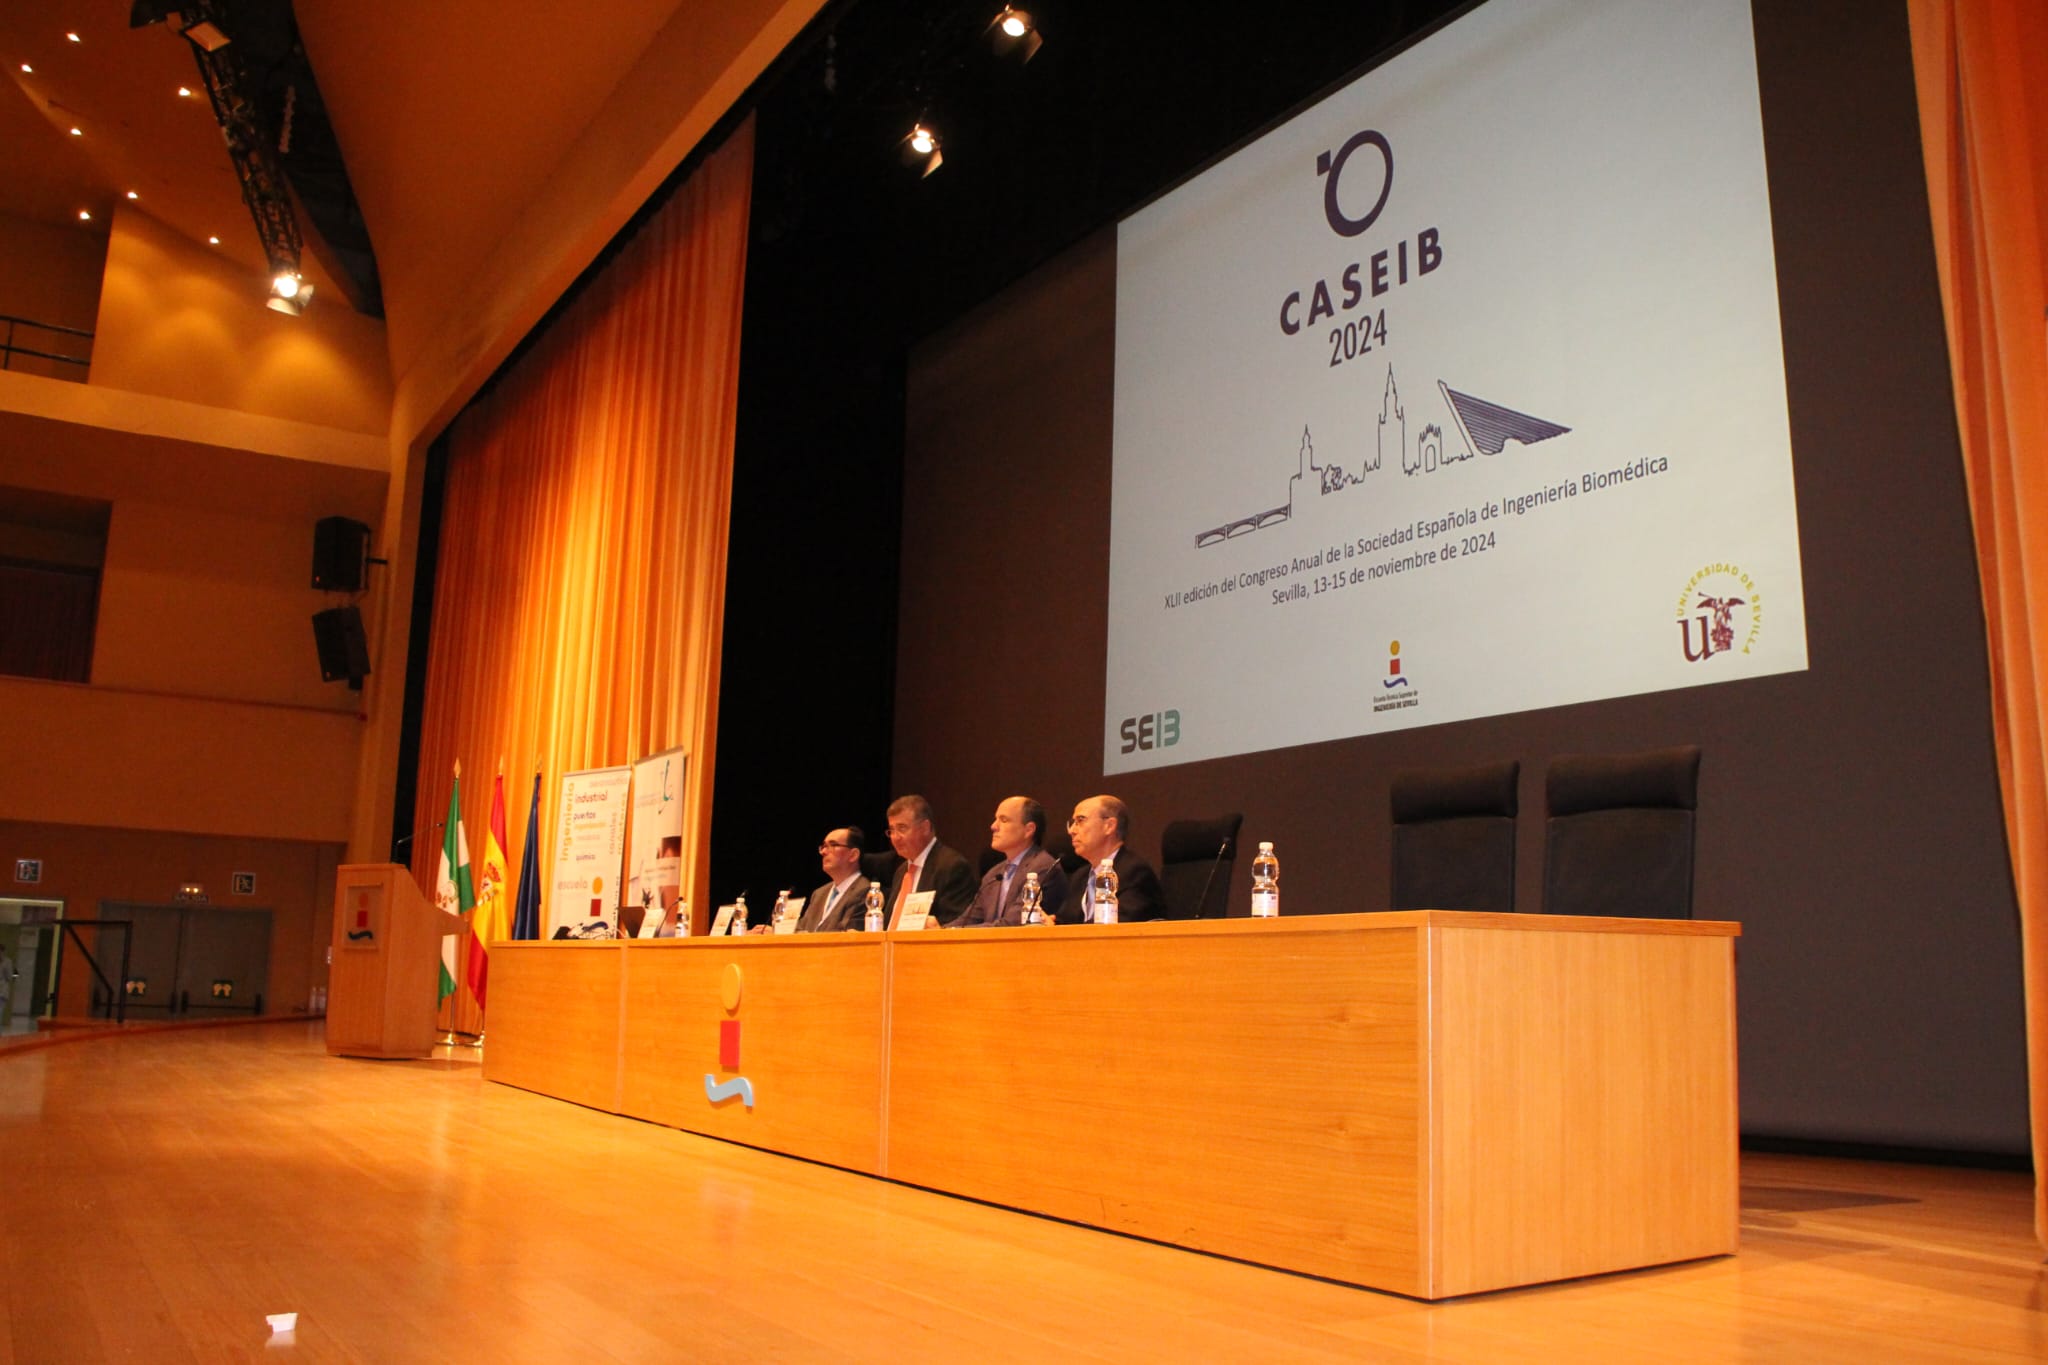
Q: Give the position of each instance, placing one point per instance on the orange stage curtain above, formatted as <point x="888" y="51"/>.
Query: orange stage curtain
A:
<point x="579" y="596"/>
<point x="1982" y="71"/>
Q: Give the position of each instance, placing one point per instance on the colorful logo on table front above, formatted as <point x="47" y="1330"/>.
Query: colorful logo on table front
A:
<point x="730" y="986"/>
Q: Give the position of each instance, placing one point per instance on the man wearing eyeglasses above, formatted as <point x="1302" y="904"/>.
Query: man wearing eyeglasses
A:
<point x="1099" y="827"/>
<point x="842" y="901"/>
<point x="928" y="865"/>
<point x="1018" y="833"/>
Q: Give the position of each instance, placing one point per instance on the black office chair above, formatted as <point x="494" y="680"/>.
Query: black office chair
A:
<point x="1196" y="858"/>
<point x="1454" y="838"/>
<point x="878" y="865"/>
<point x="1620" y="834"/>
<point x="1060" y="845"/>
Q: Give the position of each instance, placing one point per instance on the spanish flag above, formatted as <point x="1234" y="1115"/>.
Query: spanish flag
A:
<point x="490" y="920"/>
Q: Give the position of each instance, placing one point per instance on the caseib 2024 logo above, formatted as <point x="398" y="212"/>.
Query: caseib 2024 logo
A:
<point x="1720" y="609"/>
<point x="1160" y="730"/>
<point x="1358" y="177"/>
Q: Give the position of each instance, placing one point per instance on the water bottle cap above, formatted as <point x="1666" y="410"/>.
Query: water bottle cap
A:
<point x="1265" y="845"/>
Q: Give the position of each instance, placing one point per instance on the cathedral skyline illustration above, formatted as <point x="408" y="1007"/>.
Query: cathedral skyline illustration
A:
<point x="1485" y="427"/>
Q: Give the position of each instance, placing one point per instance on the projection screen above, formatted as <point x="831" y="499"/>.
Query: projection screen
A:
<point x="1460" y="393"/>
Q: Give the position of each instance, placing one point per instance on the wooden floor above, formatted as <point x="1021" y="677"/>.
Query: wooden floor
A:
<point x="160" y="1194"/>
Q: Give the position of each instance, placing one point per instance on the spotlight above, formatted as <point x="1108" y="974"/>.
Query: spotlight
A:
<point x="1014" y="33"/>
<point x="289" y="294"/>
<point x="921" y="149"/>
<point x="204" y="35"/>
<point x="184" y="92"/>
<point x="85" y="215"/>
<point x="213" y="241"/>
<point x="72" y="36"/>
<point x="133" y="195"/>
<point x="27" y="69"/>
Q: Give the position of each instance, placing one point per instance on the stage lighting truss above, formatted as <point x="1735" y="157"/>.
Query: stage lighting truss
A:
<point x="249" y="150"/>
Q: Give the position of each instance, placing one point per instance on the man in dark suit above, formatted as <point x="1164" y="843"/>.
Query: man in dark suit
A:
<point x="1018" y="833"/>
<point x="1099" y="827"/>
<point x="928" y="865"/>
<point x="841" y="903"/>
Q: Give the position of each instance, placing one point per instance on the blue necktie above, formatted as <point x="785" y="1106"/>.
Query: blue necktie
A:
<point x="1003" y="897"/>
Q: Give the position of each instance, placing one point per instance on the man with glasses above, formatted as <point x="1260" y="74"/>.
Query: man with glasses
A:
<point x="1018" y="833"/>
<point x="842" y="901"/>
<point x="928" y="865"/>
<point x="1099" y="827"/>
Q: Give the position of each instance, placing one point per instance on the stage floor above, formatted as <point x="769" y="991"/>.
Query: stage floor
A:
<point x="164" y="1192"/>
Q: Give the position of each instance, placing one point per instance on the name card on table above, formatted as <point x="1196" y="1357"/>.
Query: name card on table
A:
<point x="916" y="912"/>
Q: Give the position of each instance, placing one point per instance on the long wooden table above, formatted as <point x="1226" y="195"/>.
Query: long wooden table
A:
<point x="1431" y="1102"/>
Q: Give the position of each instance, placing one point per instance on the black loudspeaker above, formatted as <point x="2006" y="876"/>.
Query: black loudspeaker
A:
<point x="344" y="649"/>
<point x="341" y="554"/>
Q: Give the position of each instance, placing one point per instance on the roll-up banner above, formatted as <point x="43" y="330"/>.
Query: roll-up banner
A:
<point x="583" y="900"/>
<point x="656" y="864"/>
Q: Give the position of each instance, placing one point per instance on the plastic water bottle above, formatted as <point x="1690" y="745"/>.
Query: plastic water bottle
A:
<point x="1032" y="899"/>
<point x="874" y="916"/>
<point x="781" y="909"/>
<point x="1105" y="892"/>
<point x="1265" y="883"/>
<point x="739" y="913"/>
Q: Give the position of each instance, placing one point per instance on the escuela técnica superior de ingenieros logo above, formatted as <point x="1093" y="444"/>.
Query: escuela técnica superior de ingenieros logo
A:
<point x="1720" y="609"/>
<point x="1397" y="692"/>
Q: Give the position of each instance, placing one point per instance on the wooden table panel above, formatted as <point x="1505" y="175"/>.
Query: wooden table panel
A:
<point x="1250" y="1088"/>
<point x="1585" y="1112"/>
<point x="1431" y="1102"/>
<point x="553" y="1022"/>
<point x="811" y="1039"/>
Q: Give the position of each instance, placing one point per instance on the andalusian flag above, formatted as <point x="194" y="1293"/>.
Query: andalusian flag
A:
<point x="453" y="890"/>
<point x="490" y="920"/>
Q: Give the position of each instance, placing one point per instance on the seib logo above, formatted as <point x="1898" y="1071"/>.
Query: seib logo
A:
<point x="1331" y="166"/>
<point x="1160" y="730"/>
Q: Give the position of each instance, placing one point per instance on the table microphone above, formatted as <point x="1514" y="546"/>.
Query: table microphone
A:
<point x="1202" y="901"/>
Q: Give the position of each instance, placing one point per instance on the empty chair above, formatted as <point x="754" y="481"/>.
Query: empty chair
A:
<point x="1454" y="838"/>
<point x="1196" y="858"/>
<point x="1619" y="839"/>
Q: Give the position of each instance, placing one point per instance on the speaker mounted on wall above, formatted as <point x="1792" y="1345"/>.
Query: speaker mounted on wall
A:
<point x="341" y="554"/>
<point x="344" y="648"/>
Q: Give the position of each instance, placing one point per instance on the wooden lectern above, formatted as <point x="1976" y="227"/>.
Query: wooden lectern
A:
<point x="381" y="996"/>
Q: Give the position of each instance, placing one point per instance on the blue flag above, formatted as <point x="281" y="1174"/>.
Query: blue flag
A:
<point x="526" y="910"/>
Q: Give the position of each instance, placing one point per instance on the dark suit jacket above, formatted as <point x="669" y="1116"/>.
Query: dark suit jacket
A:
<point x="1138" y="893"/>
<point x="1052" y="884"/>
<point x="850" y="913"/>
<point x="948" y="875"/>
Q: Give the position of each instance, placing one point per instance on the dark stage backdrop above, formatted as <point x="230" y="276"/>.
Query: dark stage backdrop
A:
<point x="1849" y="815"/>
